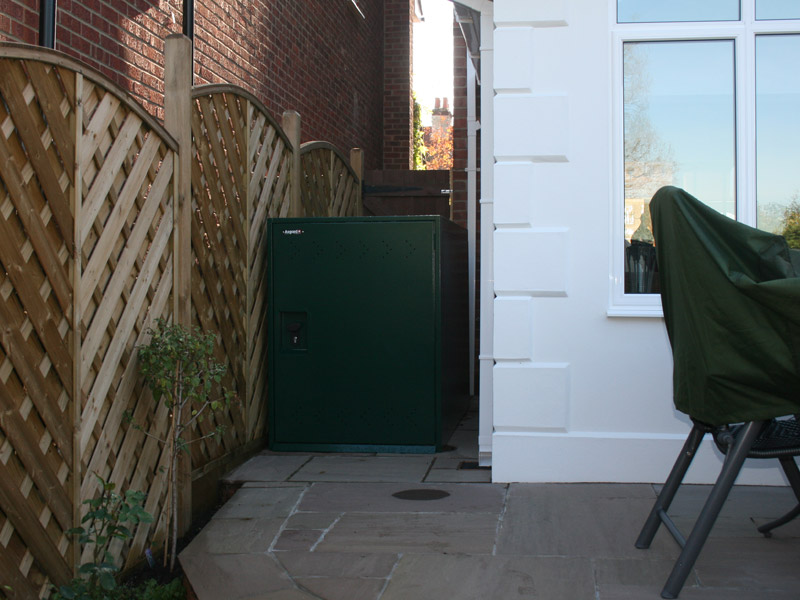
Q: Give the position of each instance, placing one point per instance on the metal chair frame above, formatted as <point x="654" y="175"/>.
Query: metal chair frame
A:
<point x="757" y="439"/>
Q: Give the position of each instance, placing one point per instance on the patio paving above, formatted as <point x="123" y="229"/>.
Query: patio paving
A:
<point x="332" y="527"/>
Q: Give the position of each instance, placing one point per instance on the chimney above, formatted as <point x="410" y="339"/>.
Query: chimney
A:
<point x="441" y="117"/>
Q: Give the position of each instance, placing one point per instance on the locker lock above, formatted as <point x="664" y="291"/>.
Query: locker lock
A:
<point x="294" y="332"/>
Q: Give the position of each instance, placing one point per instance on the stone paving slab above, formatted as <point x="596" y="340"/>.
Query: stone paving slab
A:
<point x="326" y="527"/>
<point x="238" y="577"/>
<point x="311" y="520"/>
<point x="266" y="468"/>
<point x="338" y="588"/>
<point x="297" y="539"/>
<point x="726" y="562"/>
<point x="464" y="445"/>
<point x="459" y="476"/>
<point x="743" y="502"/>
<point x="617" y="592"/>
<point x="436" y="577"/>
<point x="643" y="573"/>
<point x="729" y="526"/>
<point x="261" y="503"/>
<point x="591" y="520"/>
<point x="377" y="497"/>
<point x="412" y="532"/>
<point x="746" y="508"/>
<point x="338" y="564"/>
<point x="364" y="468"/>
<point x="235" y="536"/>
<point x="447" y="462"/>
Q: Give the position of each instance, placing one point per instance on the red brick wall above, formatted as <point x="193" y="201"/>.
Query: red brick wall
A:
<point x="19" y="21"/>
<point x="398" y="105"/>
<point x="317" y="57"/>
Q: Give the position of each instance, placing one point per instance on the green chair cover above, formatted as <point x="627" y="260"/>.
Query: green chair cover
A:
<point x="731" y="299"/>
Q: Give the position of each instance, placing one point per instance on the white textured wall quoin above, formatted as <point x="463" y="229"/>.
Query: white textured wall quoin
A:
<point x="513" y="325"/>
<point x="578" y="395"/>
<point x="541" y="13"/>
<point x="536" y="261"/>
<point x="532" y="253"/>
<point x="533" y="393"/>
<point x="532" y="127"/>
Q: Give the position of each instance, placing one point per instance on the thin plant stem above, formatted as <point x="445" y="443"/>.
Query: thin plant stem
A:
<point x="175" y="459"/>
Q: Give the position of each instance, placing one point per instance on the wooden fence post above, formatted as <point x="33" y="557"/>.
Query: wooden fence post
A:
<point x="177" y="119"/>
<point x="291" y="127"/>
<point x="357" y="163"/>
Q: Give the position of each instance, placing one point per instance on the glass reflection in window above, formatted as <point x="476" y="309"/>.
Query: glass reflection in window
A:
<point x="661" y="11"/>
<point x="679" y="129"/>
<point x="778" y="135"/>
<point x="777" y="9"/>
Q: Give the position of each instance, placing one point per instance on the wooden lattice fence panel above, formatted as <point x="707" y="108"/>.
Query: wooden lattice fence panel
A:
<point x="127" y="164"/>
<point x="88" y="182"/>
<point x="83" y="168"/>
<point x="329" y="187"/>
<point x="36" y="379"/>
<point x="239" y="178"/>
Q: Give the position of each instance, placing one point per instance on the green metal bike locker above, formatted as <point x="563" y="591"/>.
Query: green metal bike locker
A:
<point x="368" y="333"/>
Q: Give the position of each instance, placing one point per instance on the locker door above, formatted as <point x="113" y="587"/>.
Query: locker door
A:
<point x="355" y="314"/>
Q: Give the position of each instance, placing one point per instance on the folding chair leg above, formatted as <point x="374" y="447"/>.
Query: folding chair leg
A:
<point x="697" y="539"/>
<point x="671" y="486"/>
<point x="793" y="475"/>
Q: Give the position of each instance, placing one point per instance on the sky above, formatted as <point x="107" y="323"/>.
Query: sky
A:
<point x="433" y="55"/>
<point x="692" y="108"/>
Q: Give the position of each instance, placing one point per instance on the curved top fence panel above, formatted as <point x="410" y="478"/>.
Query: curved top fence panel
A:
<point x="59" y="59"/>
<point x="241" y="175"/>
<point x="329" y="185"/>
<point x="86" y="190"/>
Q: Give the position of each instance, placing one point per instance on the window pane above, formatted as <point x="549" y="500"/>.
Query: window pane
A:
<point x="659" y="11"/>
<point x="777" y="9"/>
<point x="679" y="129"/>
<point x="778" y="135"/>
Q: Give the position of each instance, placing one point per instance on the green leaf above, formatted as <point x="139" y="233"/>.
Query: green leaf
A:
<point x="107" y="581"/>
<point x="122" y="532"/>
<point x="67" y="592"/>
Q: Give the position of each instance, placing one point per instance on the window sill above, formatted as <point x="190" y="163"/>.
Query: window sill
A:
<point x="654" y="311"/>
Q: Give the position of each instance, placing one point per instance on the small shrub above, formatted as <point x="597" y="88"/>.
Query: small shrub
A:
<point x="103" y="523"/>
<point x="178" y="366"/>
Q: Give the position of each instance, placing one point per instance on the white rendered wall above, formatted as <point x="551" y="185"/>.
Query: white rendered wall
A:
<point x="578" y="395"/>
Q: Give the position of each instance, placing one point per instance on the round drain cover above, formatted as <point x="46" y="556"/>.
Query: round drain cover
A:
<point x="421" y="494"/>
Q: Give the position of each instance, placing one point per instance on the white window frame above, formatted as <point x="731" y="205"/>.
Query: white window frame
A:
<point x="743" y="33"/>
